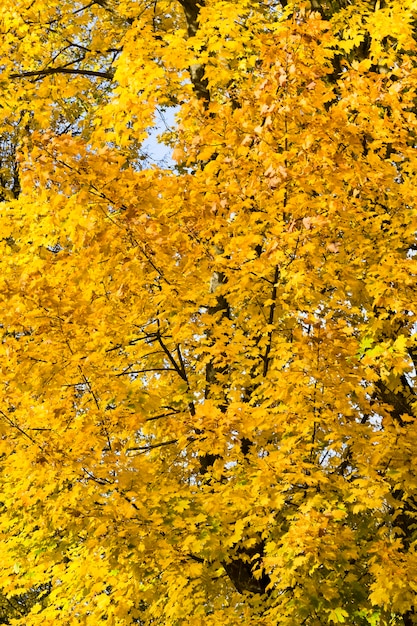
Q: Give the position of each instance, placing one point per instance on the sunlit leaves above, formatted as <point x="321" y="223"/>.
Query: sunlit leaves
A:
<point x="208" y="370"/>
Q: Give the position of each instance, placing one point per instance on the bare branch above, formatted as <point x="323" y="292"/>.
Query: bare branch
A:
<point x="151" y="446"/>
<point x="150" y="369"/>
<point x="271" y="321"/>
<point x="63" y="70"/>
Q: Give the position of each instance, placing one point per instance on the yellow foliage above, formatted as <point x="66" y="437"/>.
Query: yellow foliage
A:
<point x="208" y="365"/>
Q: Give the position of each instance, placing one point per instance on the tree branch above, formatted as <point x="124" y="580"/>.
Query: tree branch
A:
<point x="151" y="446"/>
<point x="271" y="321"/>
<point x="63" y="70"/>
<point x="192" y="11"/>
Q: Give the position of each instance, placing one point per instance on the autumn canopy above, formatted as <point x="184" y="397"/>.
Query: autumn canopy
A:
<point x="208" y="364"/>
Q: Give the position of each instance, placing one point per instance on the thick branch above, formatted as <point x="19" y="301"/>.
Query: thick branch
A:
<point x="271" y="321"/>
<point x="63" y="70"/>
<point x="240" y="566"/>
<point x="400" y="401"/>
<point x="241" y="570"/>
<point x="192" y="11"/>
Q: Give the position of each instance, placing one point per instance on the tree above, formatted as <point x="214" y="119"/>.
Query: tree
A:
<point x="208" y="371"/>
